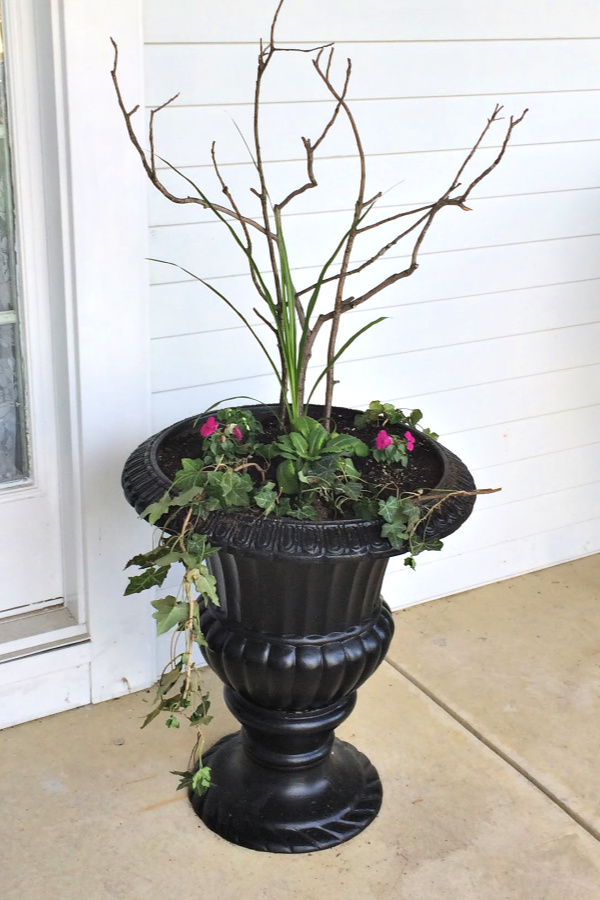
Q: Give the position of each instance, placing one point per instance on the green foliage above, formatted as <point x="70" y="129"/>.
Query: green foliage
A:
<point x="395" y="453"/>
<point x="169" y="613"/>
<point x="179" y="691"/>
<point x="382" y="414"/>
<point x="316" y="462"/>
<point x="401" y="517"/>
<point x="153" y="576"/>
<point x="266" y="497"/>
<point x="198" y="781"/>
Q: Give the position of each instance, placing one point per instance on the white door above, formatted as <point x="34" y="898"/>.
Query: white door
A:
<point x="30" y="549"/>
<point x="80" y="401"/>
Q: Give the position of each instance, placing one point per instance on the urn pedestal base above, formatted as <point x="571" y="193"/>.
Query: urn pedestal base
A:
<point x="285" y="784"/>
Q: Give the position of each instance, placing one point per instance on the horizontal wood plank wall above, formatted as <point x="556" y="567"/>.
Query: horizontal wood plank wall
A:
<point x="497" y="336"/>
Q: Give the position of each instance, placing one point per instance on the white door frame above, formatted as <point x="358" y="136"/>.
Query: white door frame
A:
<point x="97" y="232"/>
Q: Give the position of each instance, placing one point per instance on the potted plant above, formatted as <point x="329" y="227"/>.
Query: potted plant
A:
<point x="284" y="516"/>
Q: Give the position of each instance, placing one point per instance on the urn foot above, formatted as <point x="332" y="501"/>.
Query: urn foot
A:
<point x="285" y="784"/>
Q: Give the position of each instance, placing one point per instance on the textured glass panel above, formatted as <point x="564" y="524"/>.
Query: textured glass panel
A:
<point x="13" y="450"/>
<point x="13" y="464"/>
<point x="7" y="238"/>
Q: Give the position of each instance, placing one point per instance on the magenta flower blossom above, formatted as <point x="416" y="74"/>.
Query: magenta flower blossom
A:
<point x="209" y="427"/>
<point x="383" y="440"/>
<point x="237" y="434"/>
<point x="410" y="441"/>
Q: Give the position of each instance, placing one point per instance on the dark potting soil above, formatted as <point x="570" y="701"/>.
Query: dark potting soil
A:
<point x="423" y="472"/>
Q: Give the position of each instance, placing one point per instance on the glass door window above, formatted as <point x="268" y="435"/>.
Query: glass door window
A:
<point x="14" y="465"/>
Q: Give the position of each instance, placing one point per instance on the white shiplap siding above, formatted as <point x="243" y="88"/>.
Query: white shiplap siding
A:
<point x="497" y="336"/>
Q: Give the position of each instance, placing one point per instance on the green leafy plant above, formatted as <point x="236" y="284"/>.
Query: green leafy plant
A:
<point x="313" y="456"/>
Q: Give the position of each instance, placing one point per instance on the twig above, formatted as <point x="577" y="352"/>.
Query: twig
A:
<point x="241" y="219"/>
<point x="311" y="147"/>
<point x="149" y="167"/>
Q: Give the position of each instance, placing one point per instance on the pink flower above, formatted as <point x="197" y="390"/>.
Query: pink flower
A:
<point x="209" y="427"/>
<point x="237" y="433"/>
<point x="410" y="441"/>
<point x="383" y="440"/>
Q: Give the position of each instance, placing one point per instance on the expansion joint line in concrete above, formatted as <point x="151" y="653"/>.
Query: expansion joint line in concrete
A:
<point x="464" y="723"/>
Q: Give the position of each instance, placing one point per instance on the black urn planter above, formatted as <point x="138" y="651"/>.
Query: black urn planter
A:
<point x="300" y="627"/>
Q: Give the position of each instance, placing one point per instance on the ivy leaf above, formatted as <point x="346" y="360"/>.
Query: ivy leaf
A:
<point x="172" y="722"/>
<point x="390" y="509"/>
<point x="185" y="780"/>
<point x="160" y="555"/>
<point x="167" y="680"/>
<point x="306" y="511"/>
<point x="266" y="497"/>
<point x="418" y="546"/>
<point x="351" y="489"/>
<point x="200" y="715"/>
<point x="205" y="583"/>
<point x="284" y="506"/>
<point x="401" y="517"/>
<point x="204" y="507"/>
<point x="152" y="577"/>
<point x="191" y="475"/>
<point x="156" y="511"/>
<point x="201" y="780"/>
<point x="169" y="613"/>
<point x="366" y="508"/>
<point x="153" y="713"/>
<point x="196" y="545"/>
<point x="348" y="469"/>
<point x="321" y="473"/>
<point x="239" y="490"/>
<point x="230" y="487"/>
<point x="396" y="533"/>
<point x="194" y="494"/>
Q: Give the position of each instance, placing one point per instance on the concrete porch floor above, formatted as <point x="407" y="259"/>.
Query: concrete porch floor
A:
<point x="484" y="724"/>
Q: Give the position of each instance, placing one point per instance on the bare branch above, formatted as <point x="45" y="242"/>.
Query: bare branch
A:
<point x="274" y="23"/>
<point x="310" y="147"/>
<point x="228" y="194"/>
<point x="512" y="125"/>
<point x="266" y="321"/>
<point x="493" y="118"/>
<point x="265" y="56"/>
<point x="302" y="49"/>
<point x="359" y="207"/>
<point x="151" y="129"/>
<point x="431" y="211"/>
<point x="149" y="167"/>
<point x="444" y="201"/>
<point x="312" y="181"/>
<point x="410" y="212"/>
